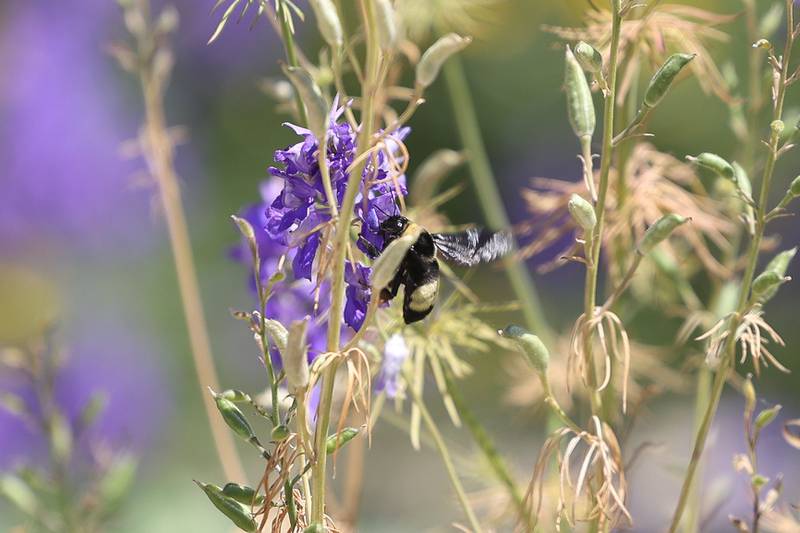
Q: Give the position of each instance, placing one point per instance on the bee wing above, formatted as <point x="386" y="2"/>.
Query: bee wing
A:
<point x="473" y="246"/>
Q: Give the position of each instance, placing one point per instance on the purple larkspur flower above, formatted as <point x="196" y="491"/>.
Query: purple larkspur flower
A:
<point x="395" y="352"/>
<point x="292" y="218"/>
<point x="357" y="294"/>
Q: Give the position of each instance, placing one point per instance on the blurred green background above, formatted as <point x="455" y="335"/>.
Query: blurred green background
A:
<point x="80" y="236"/>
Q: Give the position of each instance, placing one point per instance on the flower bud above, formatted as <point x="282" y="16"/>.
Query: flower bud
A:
<point x="386" y="22"/>
<point x="233" y="417"/>
<point x="714" y="163"/>
<point x="434" y="57"/>
<point x="589" y="58"/>
<point x="243" y="494"/>
<point x="580" y="107"/>
<point x="531" y="345"/>
<point x="660" y="230"/>
<point x="766" y="417"/>
<point x="777" y="126"/>
<point x="794" y="188"/>
<point x="335" y="442"/>
<point x="235" y="511"/>
<point x="295" y="360"/>
<point x="328" y="22"/>
<point x="117" y="480"/>
<point x="663" y="78"/>
<point x="583" y="213"/>
<point x="279" y="432"/>
<point x="310" y="94"/>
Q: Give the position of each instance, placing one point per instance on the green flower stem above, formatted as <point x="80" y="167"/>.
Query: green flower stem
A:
<point x="484" y="442"/>
<point x="488" y="194"/>
<point x="448" y="462"/>
<point x="728" y="360"/>
<point x="702" y="397"/>
<point x="595" y="242"/>
<point x="342" y="235"/>
<point x="291" y="55"/>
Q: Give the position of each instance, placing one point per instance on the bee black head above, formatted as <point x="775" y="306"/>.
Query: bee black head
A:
<point x="394" y="226"/>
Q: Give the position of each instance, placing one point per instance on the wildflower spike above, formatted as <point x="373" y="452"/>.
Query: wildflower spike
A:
<point x="531" y="345"/>
<point x="310" y="94"/>
<point x="583" y="213"/>
<point x="663" y="78"/>
<point x="328" y="22"/>
<point x="660" y="230"/>
<point x="580" y="107"/>
<point x="235" y="511"/>
<point x="434" y="57"/>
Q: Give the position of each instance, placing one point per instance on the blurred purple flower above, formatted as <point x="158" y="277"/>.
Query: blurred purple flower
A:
<point x="62" y="126"/>
<point x="395" y="353"/>
<point x="108" y="360"/>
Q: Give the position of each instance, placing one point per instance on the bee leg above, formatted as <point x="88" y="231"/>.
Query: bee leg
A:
<point x="372" y="251"/>
<point x="390" y="291"/>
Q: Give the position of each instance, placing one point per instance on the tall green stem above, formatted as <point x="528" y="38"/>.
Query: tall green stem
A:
<point x="488" y="194"/>
<point x="291" y="55"/>
<point x="595" y="244"/>
<point x="340" y="246"/>
<point x="728" y="361"/>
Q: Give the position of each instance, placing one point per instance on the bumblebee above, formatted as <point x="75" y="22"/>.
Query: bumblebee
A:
<point x="419" y="270"/>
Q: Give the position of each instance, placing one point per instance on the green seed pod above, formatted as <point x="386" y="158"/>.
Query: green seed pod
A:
<point x="778" y="265"/>
<point x="589" y="58"/>
<point x="580" y="107"/>
<point x="310" y="94"/>
<point x="429" y="175"/>
<point x="335" y="442"/>
<point x="794" y="188"/>
<point x="583" y="213"/>
<point x="660" y="230"/>
<point x="434" y="57"/>
<point x="328" y="22"/>
<point x="250" y="236"/>
<point x="235" y="511"/>
<point x="233" y="417"/>
<point x="531" y="345"/>
<point x="277" y="332"/>
<point x="742" y="180"/>
<point x="763" y="44"/>
<point x="280" y="432"/>
<point x="386" y="22"/>
<point x="767" y="282"/>
<point x="295" y="359"/>
<point x="243" y="494"/>
<point x="766" y="417"/>
<point x="234" y="395"/>
<point x="714" y="163"/>
<point x="663" y="78"/>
